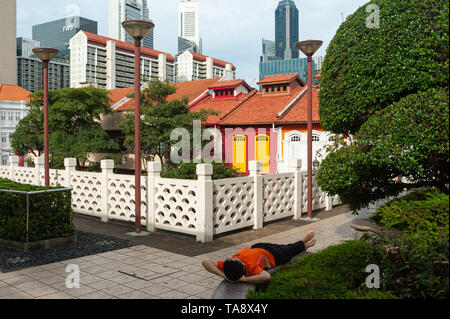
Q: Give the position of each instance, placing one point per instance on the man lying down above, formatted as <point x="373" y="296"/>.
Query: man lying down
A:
<point x="249" y="265"/>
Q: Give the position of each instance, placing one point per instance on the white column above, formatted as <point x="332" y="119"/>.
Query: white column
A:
<point x="205" y="202"/>
<point x="107" y="167"/>
<point x="110" y="65"/>
<point x="39" y="163"/>
<point x="70" y="165"/>
<point x="209" y="68"/>
<point x="296" y="167"/>
<point x="154" y="172"/>
<point x="13" y="165"/>
<point x="255" y="168"/>
<point x="162" y="67"/>
<point x="328" y="202"/>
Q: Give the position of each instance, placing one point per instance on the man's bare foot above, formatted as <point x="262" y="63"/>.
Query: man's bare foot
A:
<point x="309" y="236"/>
<point x="310" y="244"/>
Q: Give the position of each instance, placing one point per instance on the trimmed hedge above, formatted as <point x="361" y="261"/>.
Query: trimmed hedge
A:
<point x="336" y="272"/>
<point x="189" y="171"/>
<point x="51" y="214"/>
<point x="424" y="213"/>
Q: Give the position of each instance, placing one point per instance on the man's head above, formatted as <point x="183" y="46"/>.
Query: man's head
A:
<point x="233" y="269"/>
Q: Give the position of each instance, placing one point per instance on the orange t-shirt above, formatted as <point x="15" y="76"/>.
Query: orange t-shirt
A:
<point x="253" y="260"/>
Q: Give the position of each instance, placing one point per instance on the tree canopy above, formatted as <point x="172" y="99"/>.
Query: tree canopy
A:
<point x="74" y="125"/>
<point x="386" y="89"/>
<point x="159" y="117"/>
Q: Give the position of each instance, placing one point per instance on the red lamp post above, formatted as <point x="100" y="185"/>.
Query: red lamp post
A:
<point x="309" y="47"/>
<point x="137" y="29"/>
<point x="46" y="55"/>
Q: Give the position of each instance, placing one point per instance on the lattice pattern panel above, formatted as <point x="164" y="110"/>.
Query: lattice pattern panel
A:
<point x="57" y="177"/>
<point x="319" y="197"/>
<point x="176" y="205"/>
<point x="87" y="193"/>
<point x="336" y="200"/>
<point x="121" y="198"/>
<point x="233" y="204"/>
<point x="279" y="198"/>
<point x="4" y="171"/>
<point x="24" y="175"/>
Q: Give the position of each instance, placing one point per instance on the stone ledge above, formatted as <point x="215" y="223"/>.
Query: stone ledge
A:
<point x="227" y="290"/>
<point x="44" y="244"/>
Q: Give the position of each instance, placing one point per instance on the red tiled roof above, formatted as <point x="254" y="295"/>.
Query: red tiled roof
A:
<point x="216" y="62"/>
<point x="10" y="92"/>
<point x="192" y="90"/>
<point x="261" y="109"/>
<point x="280" y="78"/>
<point x="299" y="112"/>
<point x="221" y="106"/>
<point x="125" y="46"/>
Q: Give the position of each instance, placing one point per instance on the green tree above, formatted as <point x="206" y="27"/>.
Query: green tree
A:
<point x="159" y="117"/>
<point x="386" y="89"/>
<point x="74" y="125"/>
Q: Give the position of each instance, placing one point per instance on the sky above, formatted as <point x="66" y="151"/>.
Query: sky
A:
<point x="231" y="30"/>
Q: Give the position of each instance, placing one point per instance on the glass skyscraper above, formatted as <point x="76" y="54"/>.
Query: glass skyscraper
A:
<point x="286" y="30"/>
<point x="57" y="34"/>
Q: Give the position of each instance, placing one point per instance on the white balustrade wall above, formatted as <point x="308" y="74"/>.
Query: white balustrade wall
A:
<point x="202" y="208"/>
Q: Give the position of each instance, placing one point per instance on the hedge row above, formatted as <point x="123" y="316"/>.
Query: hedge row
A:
<point x="50" y="214"/>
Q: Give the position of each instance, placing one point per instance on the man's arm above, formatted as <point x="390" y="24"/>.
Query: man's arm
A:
<point x="262" y="278"/>
<point x="211" y="267"/>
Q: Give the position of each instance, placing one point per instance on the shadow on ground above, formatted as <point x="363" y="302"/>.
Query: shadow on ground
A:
<point x="187" y="245"/>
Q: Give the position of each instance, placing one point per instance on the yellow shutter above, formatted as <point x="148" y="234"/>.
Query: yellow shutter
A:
<point x="262" y="149"/>
<point x="240" y="153"/>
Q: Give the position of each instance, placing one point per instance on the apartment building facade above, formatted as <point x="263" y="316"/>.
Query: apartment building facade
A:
<point x="109" y="64"/>
<point x="193" y="66"/>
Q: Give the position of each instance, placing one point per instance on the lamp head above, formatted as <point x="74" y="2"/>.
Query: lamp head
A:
<point x="138" y="29"/>
<point x="309" y="47"/>
<point x="45" y="54"/>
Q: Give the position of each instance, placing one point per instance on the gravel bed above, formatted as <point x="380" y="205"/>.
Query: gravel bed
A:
<point x="87" y="244"/>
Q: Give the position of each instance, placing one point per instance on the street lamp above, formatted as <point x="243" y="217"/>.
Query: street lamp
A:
<point x="137" y="29"/>
<point x="309" y="47"/>
<point x="46" y="55"/>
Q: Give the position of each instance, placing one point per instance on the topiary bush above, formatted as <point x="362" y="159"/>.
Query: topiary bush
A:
<point x="335" y="272"/>
<point x="189" y="171"/>
<point x="423" y="214"/>
<point x="50" y="214"/>
<point x="386" y="89"/>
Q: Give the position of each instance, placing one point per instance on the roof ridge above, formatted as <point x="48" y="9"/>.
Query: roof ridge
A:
<point x="291" y="104"/>
<point x="247" y="98"/>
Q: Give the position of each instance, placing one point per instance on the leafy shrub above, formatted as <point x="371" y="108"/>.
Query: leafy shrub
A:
<point x="50" y="215"/>
<point x="410" y="269"/>
<point x="336" y="272"/>
<point x="424" y="213"/>
<point x="189" y="171"/>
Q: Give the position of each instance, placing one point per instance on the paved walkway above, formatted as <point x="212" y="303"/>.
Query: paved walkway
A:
<point x="143" y="272"/>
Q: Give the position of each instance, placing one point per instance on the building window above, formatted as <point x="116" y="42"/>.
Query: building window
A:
<point x="315" y="138"/>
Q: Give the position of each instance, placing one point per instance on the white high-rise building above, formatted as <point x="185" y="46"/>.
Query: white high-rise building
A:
<point x="189" y="23"/>
<point x="121" y="10"/>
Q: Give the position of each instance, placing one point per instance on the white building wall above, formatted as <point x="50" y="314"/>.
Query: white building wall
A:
<point x="11" y="112"/>
<point x="78" y="59"/>
<point x="110" y="65"/>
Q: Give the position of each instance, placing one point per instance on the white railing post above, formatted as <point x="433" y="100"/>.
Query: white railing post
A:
<point x="13" y="165"/>
<point x="153" y="172"/>
<point x="39" y="163"/>
<point x="328" y="202"/>
<point x="70" y="165"/>
<point x="296" y="166"/>
<point x="107" y="167"/>
<point x="205" y="202"/>
<point x="255" y="168"/>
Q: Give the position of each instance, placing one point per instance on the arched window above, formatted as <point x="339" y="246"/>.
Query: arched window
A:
<point x="240" y="153"/>
<point x="262" y="151"/>
<point x="316" y="138"/>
